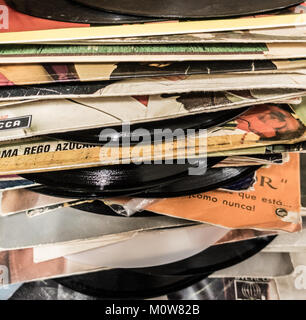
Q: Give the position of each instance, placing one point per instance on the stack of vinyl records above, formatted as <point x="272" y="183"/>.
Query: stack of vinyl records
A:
<point x="145" y="145"/>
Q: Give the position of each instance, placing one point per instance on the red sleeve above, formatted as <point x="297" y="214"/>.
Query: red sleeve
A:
<point x="13" y="21"/>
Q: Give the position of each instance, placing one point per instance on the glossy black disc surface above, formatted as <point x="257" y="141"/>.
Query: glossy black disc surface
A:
<point x="213" y="179"/>
<point x="127" y="284"/>
<point x="199" y="121"/>
<point x="69" y="11"/>
<point x="190" y="8"/>
<point x="158" y="281"/>
<point x="112" y="180"/>
<point x="214" y="258"/>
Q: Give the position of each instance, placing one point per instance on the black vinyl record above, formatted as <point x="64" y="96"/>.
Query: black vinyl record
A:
<point x="77" y="194"/>
<point x="214" y="258"/>
<point x="157" y="281"/>
<point x="99" y="207"/>
<point x="127" y="284"/>
<point x="134" y="136"/>
<point x="190" y="8"/>
<point x="213" y="179"/>
<point x="69" y="11"/>
<point x="114" y="180"/>
<point x="177" y="186"/>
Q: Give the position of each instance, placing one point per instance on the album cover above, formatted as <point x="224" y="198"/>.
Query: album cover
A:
<point x="265" y="276"/>
<point x="267" y="207"/>
<point x="303" y="180"/>
<point x="164" y="85"/>
<point x="236" y="235"/>
<point x="29" y="74"/>
<point x="146" y="247"/>
<point x="289" y="34"/>
<point x="34" y="53"/>
<point x="24" y="200"/>
<point x="26" y="23"/>
<point x="14" y="21"/>
<point x="65" y="225"/>
<point x="31" y="118"/>
<point x="264" y="150"/>
<point x="18" y="266"/>
<point x="289" y="242"/>
<point x="46" y="253"/>
<point x="279" y="126"/>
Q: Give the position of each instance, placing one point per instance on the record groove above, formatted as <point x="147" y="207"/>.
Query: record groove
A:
<point x="196" y="122"/>
<point x="214" y="178"/>
<point x="136" y="285"/>
<point x="213" y="259"/>
<point x="178" y="185"/>
<point x="157" y="281"/>
<point x="69" y="11"/>
<point x="188" y="9"/>
<point x="111" y="180"/>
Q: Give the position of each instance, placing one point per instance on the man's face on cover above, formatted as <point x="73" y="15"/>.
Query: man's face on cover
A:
<point x="268" y="121"/>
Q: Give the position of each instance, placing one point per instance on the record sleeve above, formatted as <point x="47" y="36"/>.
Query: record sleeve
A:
<point x="257" y="208"/>
<point x="14" y="32"/>
<point x="39" y="74"/>
<point x="146" y="249"/>
<point x="139" y="110"/>
<point x="59" y="53"/>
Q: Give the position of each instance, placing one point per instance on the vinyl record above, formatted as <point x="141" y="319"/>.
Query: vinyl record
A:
<point x="176" y="186"/>
<point x="243" y="184"/>
<point x="126" y="284"/>
<point x="115" y="180"/>
<point x="77" y="194"/>
<point x="214" y="258"/>
<point x="213" y="179"/>
<point x="69" y="11"/>
<point x="99" y="207"/>
<point x="158" y="281"/>
<point x="196" y="122"/>
<point x="190" y="8"/>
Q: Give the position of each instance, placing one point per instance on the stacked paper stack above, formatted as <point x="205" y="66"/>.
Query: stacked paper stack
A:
<point x="137" y="138"/>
